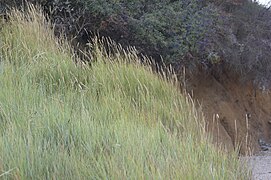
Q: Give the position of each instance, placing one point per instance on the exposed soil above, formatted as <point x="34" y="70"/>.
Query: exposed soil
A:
<point x="237" y="113"/>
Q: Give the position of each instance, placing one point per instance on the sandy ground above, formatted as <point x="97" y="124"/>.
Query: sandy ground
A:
<point x="260" y="165"/>
<point x="236" y="113"/>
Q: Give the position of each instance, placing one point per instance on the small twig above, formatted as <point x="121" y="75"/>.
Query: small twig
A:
<point x="6" y="173"/>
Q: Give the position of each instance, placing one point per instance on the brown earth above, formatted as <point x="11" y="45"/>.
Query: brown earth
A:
<point x="237" y="114"/>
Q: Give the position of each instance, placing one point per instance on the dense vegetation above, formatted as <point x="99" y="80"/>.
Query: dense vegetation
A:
<point x="211" y="35"/>
<point x="214" y="36"/>
<point x="115" y="119"/>
<point x="172" y="29"/>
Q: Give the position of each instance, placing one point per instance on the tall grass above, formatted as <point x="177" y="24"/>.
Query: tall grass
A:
<point x="113" y="120"/>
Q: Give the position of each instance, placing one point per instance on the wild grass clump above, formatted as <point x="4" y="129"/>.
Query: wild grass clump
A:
<point x="115" y="119"/>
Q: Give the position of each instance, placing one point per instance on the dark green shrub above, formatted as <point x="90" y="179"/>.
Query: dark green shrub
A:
<point x="172" y="29"/>
<point x="243" y="41"/>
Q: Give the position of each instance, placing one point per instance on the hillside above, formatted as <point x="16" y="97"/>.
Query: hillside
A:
<point x="61" y="118"/>
<point x="218" y="50"/>
<point x="227" y="42"/>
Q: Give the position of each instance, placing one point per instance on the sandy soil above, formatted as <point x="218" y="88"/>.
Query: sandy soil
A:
<point x="237" y="113"/>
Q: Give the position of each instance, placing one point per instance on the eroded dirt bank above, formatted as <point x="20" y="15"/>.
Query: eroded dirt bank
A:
<point x="236" y="112"/>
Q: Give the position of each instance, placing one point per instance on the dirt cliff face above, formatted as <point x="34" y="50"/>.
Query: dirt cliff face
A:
<point x="238" y="115"/>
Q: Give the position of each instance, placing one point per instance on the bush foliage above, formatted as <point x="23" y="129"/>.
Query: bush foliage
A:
<point x="172" y="29"/>
<point x="246" y="46"/>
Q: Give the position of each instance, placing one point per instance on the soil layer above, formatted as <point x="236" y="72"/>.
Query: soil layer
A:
<point x="238" y="114"/>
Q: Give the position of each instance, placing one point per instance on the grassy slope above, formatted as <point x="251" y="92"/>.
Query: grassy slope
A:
<point x="111" y="120"/>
